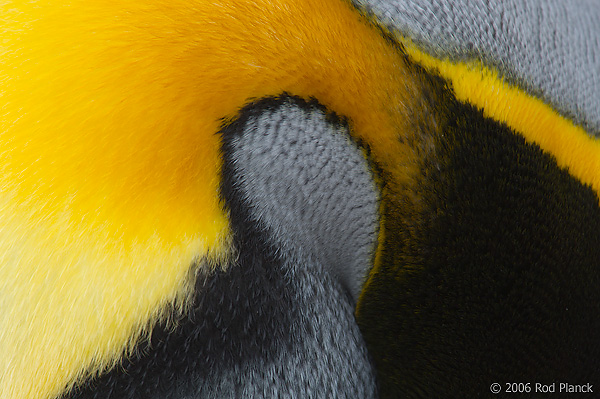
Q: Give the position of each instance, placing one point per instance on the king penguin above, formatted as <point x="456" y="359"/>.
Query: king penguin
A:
<point x="290" y="199"/>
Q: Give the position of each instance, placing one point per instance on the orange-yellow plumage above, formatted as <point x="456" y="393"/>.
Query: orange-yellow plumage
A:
<point x="573" y="148"/>
<point x="109" y="154"/>
<point x="110" y="158"/>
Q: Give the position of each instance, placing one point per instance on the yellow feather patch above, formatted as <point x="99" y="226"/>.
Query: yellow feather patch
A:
<point x="110" y="159"/>
<point x="473" y="83"/>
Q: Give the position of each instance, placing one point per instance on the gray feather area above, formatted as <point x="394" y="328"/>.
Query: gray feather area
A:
<point x="312" y="195"/>
<point x="311" y="188"/>
<point x="551" y="48"/>
<point x="328" y="360"/>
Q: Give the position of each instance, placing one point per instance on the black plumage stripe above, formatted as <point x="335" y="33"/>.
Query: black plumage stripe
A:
<point x="493" y="278"/>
